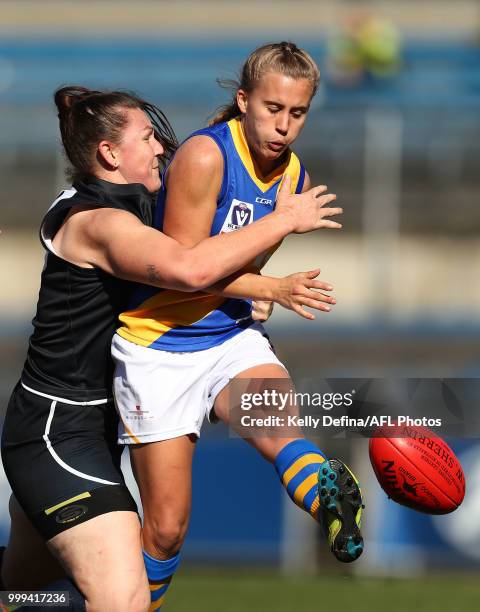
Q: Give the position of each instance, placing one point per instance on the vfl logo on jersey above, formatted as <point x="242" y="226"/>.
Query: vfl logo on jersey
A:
<point x="239" y="215"/>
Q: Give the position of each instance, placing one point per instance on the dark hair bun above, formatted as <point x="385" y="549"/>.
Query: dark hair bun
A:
<point x="66" y="97"/>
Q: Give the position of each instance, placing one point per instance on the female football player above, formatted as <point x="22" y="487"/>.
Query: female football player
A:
<point x="176" y="353"/>
<point x="59" y="438"/>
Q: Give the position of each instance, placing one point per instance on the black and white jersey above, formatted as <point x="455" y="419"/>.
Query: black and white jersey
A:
<point x="77" y="310"/>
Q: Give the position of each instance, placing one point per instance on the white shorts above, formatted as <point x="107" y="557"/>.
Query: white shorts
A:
<point x="161" y="394"/>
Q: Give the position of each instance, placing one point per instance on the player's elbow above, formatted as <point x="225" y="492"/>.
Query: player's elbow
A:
<point x="193" y="275"/>
<point x="201" y="277"/>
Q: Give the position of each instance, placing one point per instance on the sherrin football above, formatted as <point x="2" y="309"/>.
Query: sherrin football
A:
<point x="418" y="469"/>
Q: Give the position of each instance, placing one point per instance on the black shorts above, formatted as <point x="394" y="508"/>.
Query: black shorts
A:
<point x="62" y="460"/>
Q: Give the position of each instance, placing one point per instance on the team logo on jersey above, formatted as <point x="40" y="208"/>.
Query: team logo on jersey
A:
<point x="138" y="414"/>
<point x="239" y="215"/>
<point x="70" y="513"/>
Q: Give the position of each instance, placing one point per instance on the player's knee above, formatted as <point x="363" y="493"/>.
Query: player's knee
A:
<point x="122" y="589"/>
<point x="166" y="533"/>
<point x="168" y="540"/>
<point x="121" y="597"/>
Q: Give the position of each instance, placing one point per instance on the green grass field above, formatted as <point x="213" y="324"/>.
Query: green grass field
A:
<point x="262" y="591"/>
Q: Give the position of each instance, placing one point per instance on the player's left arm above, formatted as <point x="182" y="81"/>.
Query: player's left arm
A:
<point x="293" y="292"/>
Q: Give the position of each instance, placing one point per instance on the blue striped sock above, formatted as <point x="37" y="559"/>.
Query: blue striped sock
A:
<point x="160" y="574"/>
<point x="297" y="465"/>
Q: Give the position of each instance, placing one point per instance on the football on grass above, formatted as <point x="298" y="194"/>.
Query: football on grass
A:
<point x="416" y="468"/>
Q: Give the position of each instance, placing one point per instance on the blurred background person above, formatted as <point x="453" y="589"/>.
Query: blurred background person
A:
<point x="365" y="48"/>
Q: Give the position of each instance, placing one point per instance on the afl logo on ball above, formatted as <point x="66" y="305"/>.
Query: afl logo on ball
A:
<point x="70" y="513"/>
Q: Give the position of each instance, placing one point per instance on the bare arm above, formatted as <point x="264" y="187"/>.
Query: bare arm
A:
<point x="117" y="242"/>
<point x="292" y="292"/>
<point x="295" y="295"/>
<point x="194" y="181"/>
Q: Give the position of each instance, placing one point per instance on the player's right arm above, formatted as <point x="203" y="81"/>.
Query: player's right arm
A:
<point x="118" y="243"/>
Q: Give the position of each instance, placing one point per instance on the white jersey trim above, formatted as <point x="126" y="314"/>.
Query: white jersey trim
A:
<point x="64" y="400"/>
<point x="47" y="239"/>
<point x="60" y="461"/>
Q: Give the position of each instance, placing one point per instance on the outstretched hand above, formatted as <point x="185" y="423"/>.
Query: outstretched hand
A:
<point x="301" y="289"/>
<point x="308" y="210"/>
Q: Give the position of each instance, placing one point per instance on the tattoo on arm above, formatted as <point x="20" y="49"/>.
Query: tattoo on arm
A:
<point x="152" y="273"/>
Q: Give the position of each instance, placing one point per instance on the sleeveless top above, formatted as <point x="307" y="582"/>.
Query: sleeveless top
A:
<point x="169" y="320"/>
<point x="78" y="308"/>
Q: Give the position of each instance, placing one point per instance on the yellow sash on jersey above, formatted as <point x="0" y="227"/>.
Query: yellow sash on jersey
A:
<point x="291" y="166"/>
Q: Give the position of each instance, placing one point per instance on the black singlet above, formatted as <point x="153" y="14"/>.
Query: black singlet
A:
<point x="59" y="437"/>
<point x="69" y="350"/>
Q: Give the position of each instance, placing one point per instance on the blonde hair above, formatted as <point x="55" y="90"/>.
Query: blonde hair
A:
<point x="284" y="57"/>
